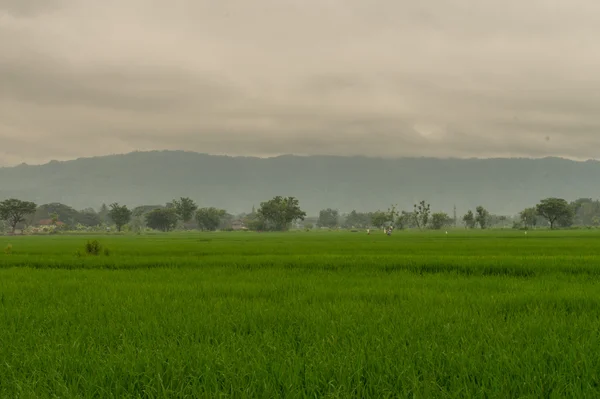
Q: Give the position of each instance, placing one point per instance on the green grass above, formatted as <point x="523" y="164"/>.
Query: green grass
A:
<point x="423" y="315"/>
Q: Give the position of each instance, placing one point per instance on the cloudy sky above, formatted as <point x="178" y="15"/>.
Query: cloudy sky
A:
<point x="266" y="77"/>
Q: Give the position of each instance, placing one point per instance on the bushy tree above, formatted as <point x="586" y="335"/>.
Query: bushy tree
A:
<point x="357" y="219"/>
<point x="162" y="219"/>
<point x="209" y="218"/>
<point x="529" y="217"/>
<point x="404" y="220"/>
<point x="14" y="211"/>
<point x="278" y="213"/>
<point x="185" y="208"/>
<point x="253" y="222"/>
<point x="554" y="209"/>
<point x="440" y="220"/>
<point x="585" y="210"/>
<point x="469" y="220"/>
<point x="328" y="218"/>
<point x="380" y="218"/>
<point x="89" y="218"/>
<point x="482" y="217"/>
<point x="120" y="215"/>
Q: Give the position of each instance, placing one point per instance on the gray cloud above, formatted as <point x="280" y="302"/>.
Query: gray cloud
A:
<point x="381" y="77"/>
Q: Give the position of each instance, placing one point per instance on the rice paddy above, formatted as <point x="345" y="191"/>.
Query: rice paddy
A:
<point x="495" y="314"/>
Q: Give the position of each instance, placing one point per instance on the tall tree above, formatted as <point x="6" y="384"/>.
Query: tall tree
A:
<point x="120" y="215"/>
<point x="483" y="217"/>
<point x="529" y="217"/>
<point x="328" y="218"/>
<point x="469" y="220"/>
<point x="185" y="208"/>
<point x="421" y="213"/>
<point x="14" y="211"/>
<point x="554" y="209"/>
<point x="162" y="219"/>
<point x="209" y="218"/>
<point x="280" y="212"/>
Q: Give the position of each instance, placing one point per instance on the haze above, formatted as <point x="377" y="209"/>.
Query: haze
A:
<point x="389" y="78"/>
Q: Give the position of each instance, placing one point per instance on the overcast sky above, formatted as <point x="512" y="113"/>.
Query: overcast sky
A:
<point x="266" y="77"/>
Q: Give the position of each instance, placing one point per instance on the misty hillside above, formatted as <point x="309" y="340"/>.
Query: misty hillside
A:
<point x="504" y="186"/>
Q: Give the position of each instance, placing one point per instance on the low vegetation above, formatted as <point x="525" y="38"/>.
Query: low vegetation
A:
<point x="334" y="314"/>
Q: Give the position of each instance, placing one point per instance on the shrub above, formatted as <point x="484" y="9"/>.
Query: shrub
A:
<point x="8" y="249"/>
<point x="93" y="248"/>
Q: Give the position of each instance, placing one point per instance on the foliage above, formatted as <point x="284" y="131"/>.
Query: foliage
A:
<point x="482" y="217"/>
<point x="328" y="218"/>
<point x="93" y="248"/>
<point x="226" y="222"/>
<point x="555" y="209"/>
<point x="347" y="182"/>
<point x="421" y="213"/>
<point x="585" y="211"/>
<point x="404" y="220"/>
<point x="162" y="219"/>
<point x="143" y="210"/>
<point x="253" y="222"/>
<point x="8" y="250"/>
<point x="440" y="220"/>
<point x="185" y="208"/>
<point x="63" y="213"/>
<point x="279" y="212"/>
<point x="14" y="211"/>
<point x="209" y="218"/>
<point x="529" y="217"/>
<point x="357" y="219"/>
<point x="120" y="215"/>
<point x="380" y="219"/>
<point x="469" y="220"/>
<point x="54" y="218"/>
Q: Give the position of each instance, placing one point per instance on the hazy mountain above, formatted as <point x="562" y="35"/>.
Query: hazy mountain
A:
<point x="504" y="186"/>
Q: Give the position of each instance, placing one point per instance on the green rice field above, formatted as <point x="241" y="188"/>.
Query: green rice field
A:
<point x="470" y="314"/>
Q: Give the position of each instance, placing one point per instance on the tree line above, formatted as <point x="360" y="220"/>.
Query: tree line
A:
<point x="555" y="212"/>
<point x="280" y="213"/>
<point x="276" y="214"/>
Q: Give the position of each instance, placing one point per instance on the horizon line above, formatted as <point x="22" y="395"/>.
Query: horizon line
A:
<point x="299" y="155"/>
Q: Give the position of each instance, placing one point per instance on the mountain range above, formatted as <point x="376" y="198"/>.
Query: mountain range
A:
<point x="502" y="185"/>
